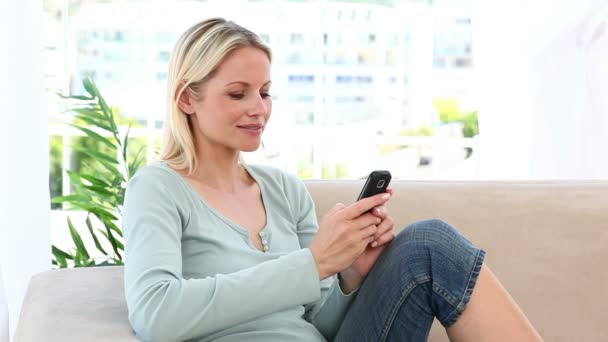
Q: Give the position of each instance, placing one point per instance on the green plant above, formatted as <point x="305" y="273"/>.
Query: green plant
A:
<point x="55" y="176"/>
<point x="470" y="125"/>
<point x="449" y="111"/>
<point x="99" y="186"/>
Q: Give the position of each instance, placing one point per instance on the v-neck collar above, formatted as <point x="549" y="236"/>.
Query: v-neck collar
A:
<point x="265" y="231"/>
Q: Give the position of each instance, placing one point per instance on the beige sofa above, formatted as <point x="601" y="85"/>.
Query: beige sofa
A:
<point x="547" y="242"/>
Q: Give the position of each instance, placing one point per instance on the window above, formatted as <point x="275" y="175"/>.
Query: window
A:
<point x="296" y="38"/>
<point x="163" y="57"/>
<point x="301" y="78"/>
<point x="356" y="66"/>
<point x="452" y="44"/>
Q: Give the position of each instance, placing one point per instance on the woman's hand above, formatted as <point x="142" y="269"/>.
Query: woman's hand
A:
<point x="344" y="233"/>
<point x="354" y="275"/>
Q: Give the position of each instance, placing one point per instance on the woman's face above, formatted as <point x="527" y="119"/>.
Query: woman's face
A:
<point x="234" y="105"/>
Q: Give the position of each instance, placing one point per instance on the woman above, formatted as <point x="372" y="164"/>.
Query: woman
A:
<point x="224" y="251"/>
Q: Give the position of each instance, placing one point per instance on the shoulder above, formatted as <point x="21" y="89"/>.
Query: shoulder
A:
<point x="157" y="180"/>
<point x="274" y="176"/>
<point x="154" y="171"/>
<point x="292" y="190"/>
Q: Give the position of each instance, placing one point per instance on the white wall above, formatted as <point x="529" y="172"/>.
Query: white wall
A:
<point x="24" y="156"/>
<point x="3" y="312"/>
<point x="541" y="71"/>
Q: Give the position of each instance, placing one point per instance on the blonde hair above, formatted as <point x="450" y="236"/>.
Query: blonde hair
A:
<point x="195" y="58"/>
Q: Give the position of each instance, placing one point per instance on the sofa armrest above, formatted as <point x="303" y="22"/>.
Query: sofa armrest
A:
<point x="78" y="304"/>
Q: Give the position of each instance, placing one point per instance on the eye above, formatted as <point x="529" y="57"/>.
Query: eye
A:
<point x="236" y="96"/>
<point x="265" y="95"/>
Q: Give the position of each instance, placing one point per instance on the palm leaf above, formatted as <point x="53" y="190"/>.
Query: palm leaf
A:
<point x="76" y="97"/>
<point x="96" y="154"/>
<point x="91" y="113"/>
<point x="113" y="241"/>
<point x="95" y="239"/>
<point x="80" y="248"/>
<point x="57" y="251"/>
<point x="95" y="123"/>
<point x="94" y="135"/>
<point x="124" y="147"/>
<point x="94" y="180"/>
<point x="68" y="198"/>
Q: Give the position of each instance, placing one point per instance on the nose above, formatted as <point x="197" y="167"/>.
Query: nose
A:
<point x="259" y="106"/>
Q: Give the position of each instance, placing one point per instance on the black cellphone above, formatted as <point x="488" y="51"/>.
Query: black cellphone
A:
<point x="376" y="183"/>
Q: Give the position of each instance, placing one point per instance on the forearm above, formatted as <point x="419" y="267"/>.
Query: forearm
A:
<point x="157" y="299"/>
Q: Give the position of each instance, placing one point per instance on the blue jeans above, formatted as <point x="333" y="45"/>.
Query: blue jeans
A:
<point x="428" y="271"/>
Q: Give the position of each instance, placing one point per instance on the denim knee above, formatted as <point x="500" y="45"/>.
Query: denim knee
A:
<point x="435" y="251"/>
<point x="432" y="234"/>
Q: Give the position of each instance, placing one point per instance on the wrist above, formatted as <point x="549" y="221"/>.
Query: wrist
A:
<point x="320" y="266"/>
<point x="350" y="280"/>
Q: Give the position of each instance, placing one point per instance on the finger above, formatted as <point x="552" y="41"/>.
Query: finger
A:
<point x="368" y="232"/>
<point x="337" y="207"/>
<point x="384" y="239"/>
<point x="362" y="206"/>
<point x="364" y="221"/>
<point x="380" y="212"/>
<point x="386" y="225"/>
<point x="390" y="191"/>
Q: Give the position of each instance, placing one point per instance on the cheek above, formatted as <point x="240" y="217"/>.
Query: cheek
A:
<point x="219" y="111"/>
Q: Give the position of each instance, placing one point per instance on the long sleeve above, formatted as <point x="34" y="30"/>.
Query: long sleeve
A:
<point x="327" y="313"/>
<point x="163" y="306"/>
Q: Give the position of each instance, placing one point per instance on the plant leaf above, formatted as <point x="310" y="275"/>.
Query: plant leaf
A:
<point x="95" y="123"/>
<point x="101" y="213"/>
<point x="77" y="259"/>
<point x="110" y="237"/>
<point x="124" y="146"/>
<point x="99" y="190"/>
<point x="94" y="135"/>
<point x="60" y="261"/>
<point x="80" y="248"/>
<point x="92" y="89"/>
<point x="57" y="251"/>
<point x="73" y="97"/>
<point x="114" y="228"/>
<point x="97" y="244"/>
<point x="111" y="168"/>
<point x="91" y="113"/>
<point x="99" y="156"/>
<point x="94" y="180"/>
<point x="68" y="198"/>
<point x="87" y="82"/>
<point x="135" y="164"/>
<point x="60" y="257"/>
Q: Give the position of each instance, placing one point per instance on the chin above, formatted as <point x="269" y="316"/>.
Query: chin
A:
<point x="250" y="147"/>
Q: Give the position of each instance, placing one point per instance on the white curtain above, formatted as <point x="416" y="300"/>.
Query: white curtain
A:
<point x="24" y="190"/>
<point x="542" y="72"/>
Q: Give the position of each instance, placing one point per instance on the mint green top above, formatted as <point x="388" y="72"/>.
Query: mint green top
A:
<point x="193" y="274"/>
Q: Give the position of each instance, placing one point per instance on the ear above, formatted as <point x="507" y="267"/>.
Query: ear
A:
<point x="185" y="101"/>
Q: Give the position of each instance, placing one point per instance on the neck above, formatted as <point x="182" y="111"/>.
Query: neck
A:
<point x="219" y="168"/>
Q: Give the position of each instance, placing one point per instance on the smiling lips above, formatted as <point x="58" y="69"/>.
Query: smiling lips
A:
<point x="255" y="129"/>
